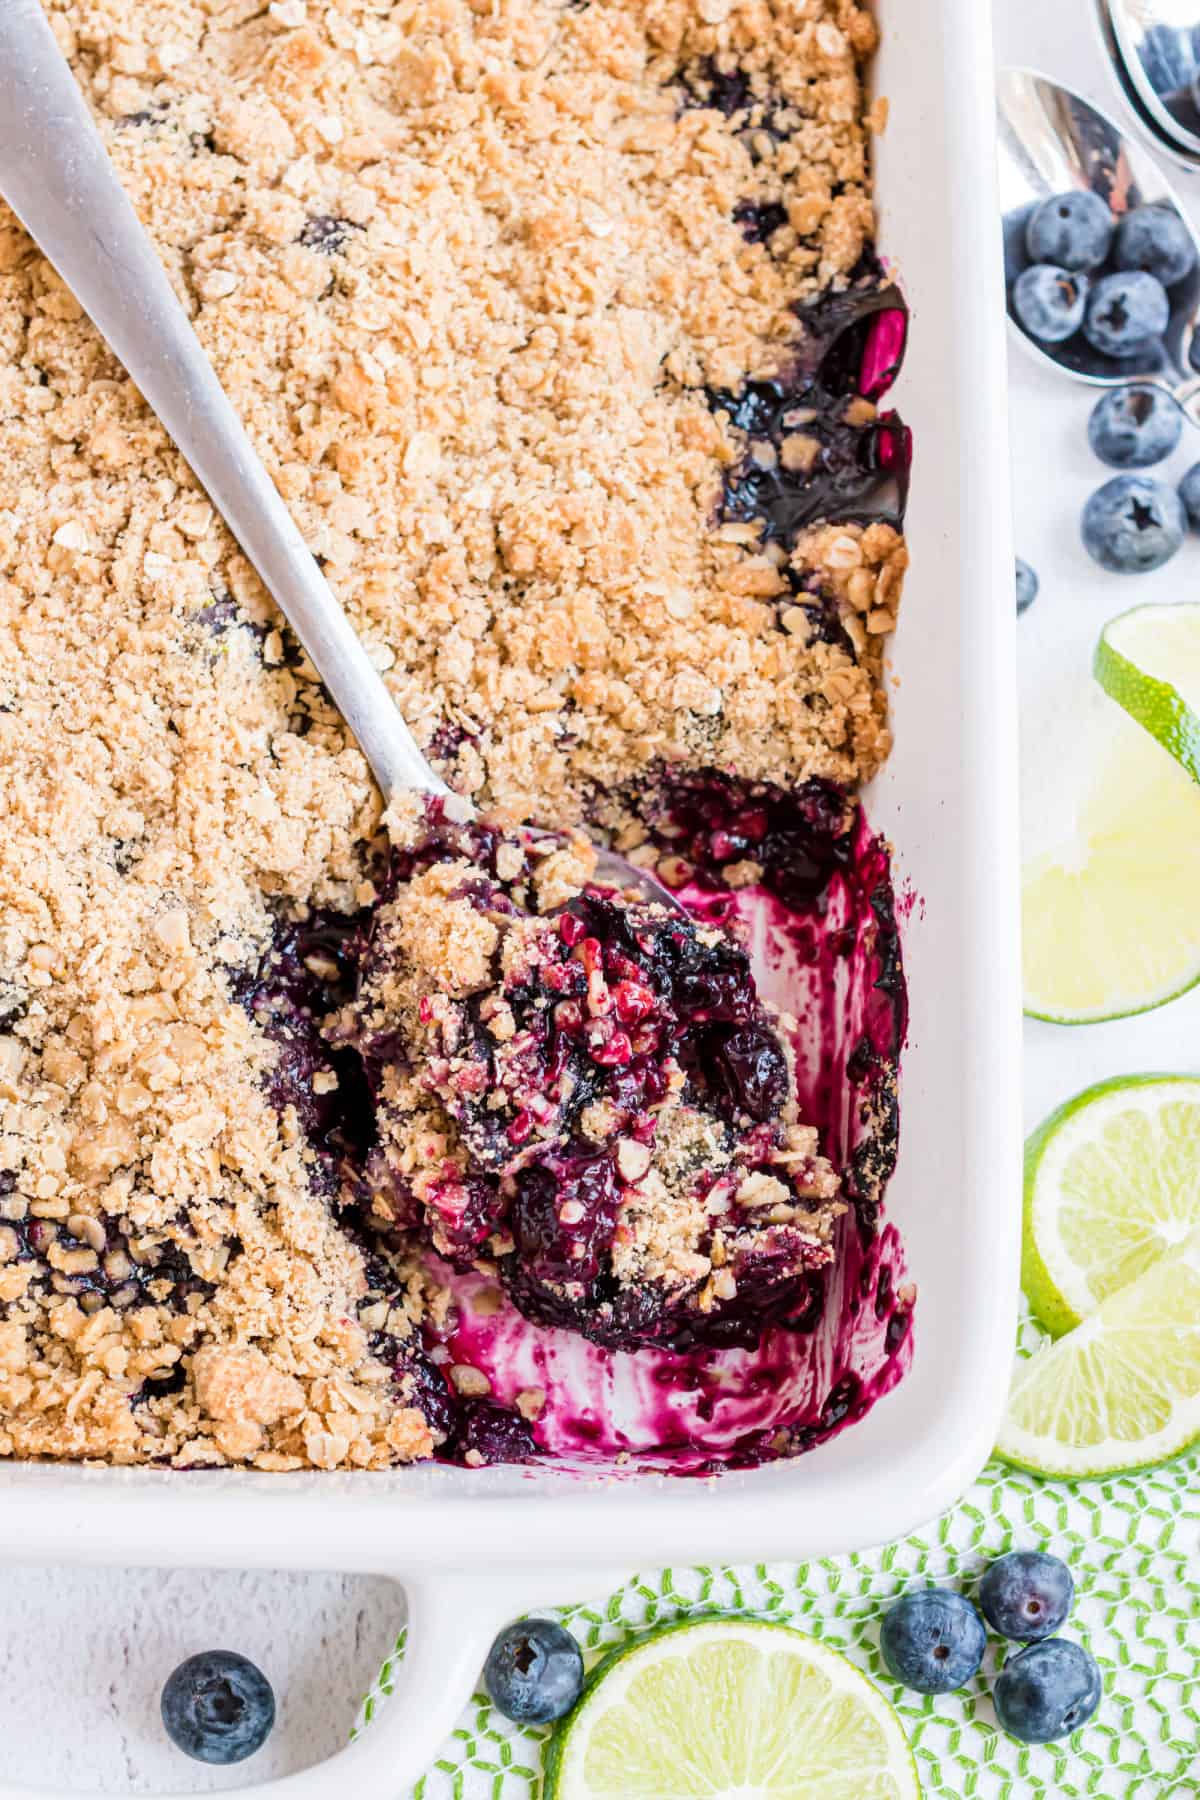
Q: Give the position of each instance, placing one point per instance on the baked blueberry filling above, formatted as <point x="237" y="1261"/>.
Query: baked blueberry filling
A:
<point x="760" y="220"/>
<point x="327" y="234"/>
<point x="535" y="1194"/>
<point x="582" y="1089"/>
<point x="817" y="445"/>
<point x="98" y="1262"/>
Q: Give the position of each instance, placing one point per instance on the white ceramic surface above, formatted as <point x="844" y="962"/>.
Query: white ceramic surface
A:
<point x="473" y="1548"/>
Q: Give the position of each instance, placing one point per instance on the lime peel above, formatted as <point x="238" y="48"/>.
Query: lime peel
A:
<point x="1122" y="1391"/>
<point x="1129" y="648"/>
<point x="725" y="1706"/>
<point x="1112" y="1180"/>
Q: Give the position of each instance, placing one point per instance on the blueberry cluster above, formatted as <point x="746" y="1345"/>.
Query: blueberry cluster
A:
<point x="1135" y="522"/>
<point x="1110" y="278"/>
<point x="1103" y="274"/>
<point x="933" y="1640"/>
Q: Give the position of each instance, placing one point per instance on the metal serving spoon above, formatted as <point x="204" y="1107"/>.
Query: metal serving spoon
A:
<point x="56" y="176"/>
<point x="1050" y="141"/>
<point x="1155" y="48"/>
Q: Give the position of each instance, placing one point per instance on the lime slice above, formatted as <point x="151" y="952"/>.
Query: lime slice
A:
<point x="1109" y="914"/>
<point x="1121" y="1391"/>
<point x="1112" y="1180"/>
<point x="1148" y="660"/>
<point x="730" y="1707"/>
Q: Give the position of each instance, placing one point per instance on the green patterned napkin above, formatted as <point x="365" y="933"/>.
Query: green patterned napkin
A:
<point x="1134" y="1547"/>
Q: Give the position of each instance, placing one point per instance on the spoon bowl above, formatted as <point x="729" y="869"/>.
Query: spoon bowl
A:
<point x="1051" y="141"/>
<point x="1169" y="145"/>
<point x="1155" y="48"/>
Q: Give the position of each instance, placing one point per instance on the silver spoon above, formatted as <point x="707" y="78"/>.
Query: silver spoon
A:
<point x="1050" y="141"/>
<point x="56" y="176"/>
<point x="1155" y="49"/>
<point x="1151" y="122"/>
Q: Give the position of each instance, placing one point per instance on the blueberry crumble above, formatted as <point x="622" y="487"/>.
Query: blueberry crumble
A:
<point x="580" y="1088"/>
<point x="561" y="331"/>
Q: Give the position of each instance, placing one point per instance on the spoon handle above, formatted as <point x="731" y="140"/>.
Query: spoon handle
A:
<point x="56" y="176"/>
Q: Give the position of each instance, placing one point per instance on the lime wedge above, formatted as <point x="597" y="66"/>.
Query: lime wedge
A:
<point x="730" y="1707"/>
<point x="1110" y="921"/>
<point x="1148" y="660"/>
<point x="1121" y="1391"/>
<point x="1112" y="1181"/>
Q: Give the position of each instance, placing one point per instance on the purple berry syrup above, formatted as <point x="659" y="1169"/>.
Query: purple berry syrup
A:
<point x="823" y="934"/>
<point x="850" y="351"/>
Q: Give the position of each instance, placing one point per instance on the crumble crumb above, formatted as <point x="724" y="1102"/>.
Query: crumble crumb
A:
<point x="240" y="1385"/>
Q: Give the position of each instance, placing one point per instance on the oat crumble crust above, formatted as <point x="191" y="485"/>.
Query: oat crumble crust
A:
<point x="465" y="271"/>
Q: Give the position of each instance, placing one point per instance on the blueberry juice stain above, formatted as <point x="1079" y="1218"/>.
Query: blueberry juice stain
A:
<point x="823" y="926"/>
<point x="817" y="445"/>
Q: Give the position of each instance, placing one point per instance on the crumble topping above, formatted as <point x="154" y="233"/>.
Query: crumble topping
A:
<point x="470" y="275"/>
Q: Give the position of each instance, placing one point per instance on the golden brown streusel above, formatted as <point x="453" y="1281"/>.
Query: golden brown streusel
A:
<point x="465" y="269"/>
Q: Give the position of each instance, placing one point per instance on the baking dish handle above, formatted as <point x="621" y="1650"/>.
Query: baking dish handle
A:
<point x="452" y="1619"/>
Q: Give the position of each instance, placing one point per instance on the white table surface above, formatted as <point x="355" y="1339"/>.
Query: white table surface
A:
<point x="83" y="1653"/>
<point x="1054" y="471"/>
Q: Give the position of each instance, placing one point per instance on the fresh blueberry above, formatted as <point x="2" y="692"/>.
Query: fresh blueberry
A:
<point x="1071" y="230"/>
<point x="1026" y="1595"/>
<point x="218" y="1707"/>
<point x="932" y="1640"/>
<point x="1167" y="54"/>
<point x="534" y="1672"/>
<point x="1133" y="524"/>
<point x="1047" y="1691"/>
<point x="1125" y="313"/>
<point x="1189" y="493"/>
<point x="1133" y="427"/>
<point x="1050" y="302"/>
<point x="1027" y="586"/>
<point x="1155" y="238"/>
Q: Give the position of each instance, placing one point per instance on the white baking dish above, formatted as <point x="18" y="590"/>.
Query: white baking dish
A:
<point x="473" y="1548"/>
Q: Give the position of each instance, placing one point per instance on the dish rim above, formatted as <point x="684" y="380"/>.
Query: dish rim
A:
<point x="936" y="1472"/>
